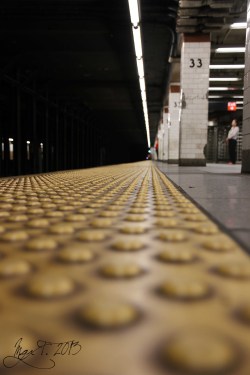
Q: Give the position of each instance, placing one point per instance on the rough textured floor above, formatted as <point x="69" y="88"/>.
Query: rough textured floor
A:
<point x="112" y="271"/>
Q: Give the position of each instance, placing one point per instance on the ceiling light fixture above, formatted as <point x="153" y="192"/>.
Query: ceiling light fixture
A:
<point x="230" y="66"/>
<point x="143" y="96"/>
<point x="224" y="88"/>
<point x="142" y="84"/>
<point x="225" y="96"/>
<point x="230" y="50"/>
<point x="140" y="68"/>
<point x="134" y="12"/>
<point x="136" y="30"/>
<point x="137" y="41"/>
<point x="238" y="25"/>
<point x="224" y="79"/>
<point x="215" y="96"/>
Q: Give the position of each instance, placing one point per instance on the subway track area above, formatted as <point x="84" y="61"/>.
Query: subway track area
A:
<point x="113" y="270"/>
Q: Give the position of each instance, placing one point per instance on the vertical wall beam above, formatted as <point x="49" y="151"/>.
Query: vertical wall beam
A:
<point x="86" y="145"/>
<point x="78" y="136"/>
<point x="72" y="142"/>
<point x="82" y="145"/>
<point x="57" y="142"/>
<point x="65" y="143"/>
<point x="46" y="145"/>
<point x="34" y="130"/>
<point x="18" y="141"/>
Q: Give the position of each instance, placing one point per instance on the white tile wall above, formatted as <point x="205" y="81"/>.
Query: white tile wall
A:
<point x="194" y="113"/>
<point x="163" y="141"/>
<point x="174" y="129"/>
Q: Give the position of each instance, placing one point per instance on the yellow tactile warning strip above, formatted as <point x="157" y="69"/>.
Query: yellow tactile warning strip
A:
<point x="112" y="271"/>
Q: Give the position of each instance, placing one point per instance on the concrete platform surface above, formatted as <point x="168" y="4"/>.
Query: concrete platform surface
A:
<point x="221" y="190"/>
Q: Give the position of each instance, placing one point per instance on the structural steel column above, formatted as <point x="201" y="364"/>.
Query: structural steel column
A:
<point x="57" y="143"/>
<point x="83" y="146"/>
<point x="86" y="145"/>
<point x="34" y="131"/>
<point x="195" y="58"/>
<point x="78" y="136"/>
<point x="18" y="151"/>
<point x="72" y="142"/>
<point x="46" y="142"/>
<point x="90" y="146"/>
<point x="65" y="143"/>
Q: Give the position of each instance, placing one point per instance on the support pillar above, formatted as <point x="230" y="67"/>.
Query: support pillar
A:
<point x="195" y="58"/>
<point x="83" y="137"/>
<point x="160" y="141"/>
<point x="174" y="125"/>
<point x="246" y="107"/>
<point x="165" y="134"/>
<point x="19" y="144"/>
<point x="47" y="147"/>
<point x="34" y="131"/>
<point x="78" y="140"/>
<point x="57" y="142"/>
<point x="65" y="140"/>
<point x="73" y="147"/>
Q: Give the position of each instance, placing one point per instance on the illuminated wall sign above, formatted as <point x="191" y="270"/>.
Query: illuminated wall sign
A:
<point x="231" y="106"/>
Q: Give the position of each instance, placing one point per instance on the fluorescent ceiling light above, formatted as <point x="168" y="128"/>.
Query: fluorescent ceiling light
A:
<point x="134" y="12"/>
<point x="143" y="96"/>
<point x="231" y="66"/>
<point x="142" y="84"/>
<point x="238" y="96"/>
<point x="231" y="79"/>
<point x="214" y="96"/>
<point x="145" y="108"/>
<point x="238" y="25"/>
<point x="135" y="20"/>
<point x="137" y="42"/>
<point x="140" y="68"/>
<point x="230" y="50"/>
<point x="240" y="102"/>
<point x="224" y="88"/>
<point x="144" y="104"/>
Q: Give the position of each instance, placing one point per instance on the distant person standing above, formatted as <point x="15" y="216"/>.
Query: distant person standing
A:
<point x="232" y="141"/>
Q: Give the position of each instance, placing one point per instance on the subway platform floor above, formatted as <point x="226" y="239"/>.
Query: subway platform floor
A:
<point x="221" y="190"/>
<point x="114" y="270"/>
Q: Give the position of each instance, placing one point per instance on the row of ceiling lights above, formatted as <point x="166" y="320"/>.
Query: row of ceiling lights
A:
<point x="136" y="30"/>
<point x="234" y="26"/>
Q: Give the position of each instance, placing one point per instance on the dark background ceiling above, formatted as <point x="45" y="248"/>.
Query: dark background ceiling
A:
<point x="81" y="53"/>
